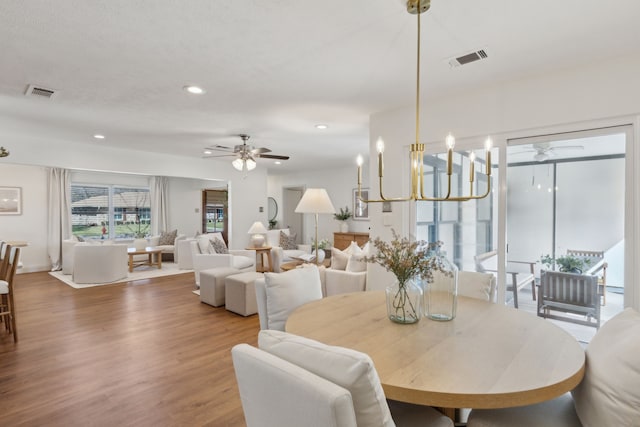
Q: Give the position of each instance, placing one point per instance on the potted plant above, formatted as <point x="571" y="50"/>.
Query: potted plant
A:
<point x="566" y="263"/>
<point x="343" y="216"/>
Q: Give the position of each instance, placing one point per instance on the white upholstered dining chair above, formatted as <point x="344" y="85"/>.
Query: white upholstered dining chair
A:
<point x="291" y="381"/>
<point x="477" y="285"/>
<point x="609" y="394"/>
<point x="278" y="294"/>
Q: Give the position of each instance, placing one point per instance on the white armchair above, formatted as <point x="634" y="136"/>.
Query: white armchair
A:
<point x="280" y="255"/>
<point x="243" y="260"/>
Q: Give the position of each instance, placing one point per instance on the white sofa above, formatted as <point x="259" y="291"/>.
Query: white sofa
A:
<point x="243" y="260"/>
<point x="279" y="255"/>
<point x="298" y="286"/>
<point x="99" y="263"/>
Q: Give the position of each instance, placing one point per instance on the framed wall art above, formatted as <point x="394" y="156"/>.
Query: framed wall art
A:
<point x="360" y="209"/>
<point x="10" y="201"/>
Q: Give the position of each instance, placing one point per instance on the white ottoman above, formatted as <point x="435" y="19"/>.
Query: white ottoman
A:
<point x="212" y="285"/>
<point x="240" y="293"/>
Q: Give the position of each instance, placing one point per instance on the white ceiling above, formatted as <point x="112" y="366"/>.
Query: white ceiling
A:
<point x="273" y="68"/>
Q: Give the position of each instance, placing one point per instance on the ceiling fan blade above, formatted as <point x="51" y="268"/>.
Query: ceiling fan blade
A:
<point x="219" y="148"/>
<point x="260" y="150"/>
<point x="207" y="156"/>
<point x="568" y="147"/>
<point x="272" y="156"/>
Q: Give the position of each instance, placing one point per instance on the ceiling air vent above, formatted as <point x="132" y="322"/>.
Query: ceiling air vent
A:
<point x="40" y="92"/>
<point x="468" y="58"/>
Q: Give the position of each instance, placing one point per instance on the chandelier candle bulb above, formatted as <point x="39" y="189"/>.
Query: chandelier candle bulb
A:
<point x="472" y="166"/>
<point x="380" y="148"/>
<point x="359" y="163"/>
<point x="488" y="144"/>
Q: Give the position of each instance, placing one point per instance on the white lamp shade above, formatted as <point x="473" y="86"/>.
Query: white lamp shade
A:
<point x="257" y="238"/>
<point x="315" y="200"/>
<point x="251" y="164"/>
<point x="257" y="228"/>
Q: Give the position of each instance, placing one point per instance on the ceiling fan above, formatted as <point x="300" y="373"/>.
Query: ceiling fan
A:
<point x="245" y="154"/>
<point x="544" y="150"/>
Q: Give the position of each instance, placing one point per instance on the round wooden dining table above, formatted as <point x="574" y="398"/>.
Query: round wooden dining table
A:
<point x="489" y="356"/>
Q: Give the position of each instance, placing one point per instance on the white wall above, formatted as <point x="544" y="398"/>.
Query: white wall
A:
<point x="247" y="191"/>
<point x="339" y="184"/>
<point x="32" y="224"/>
<point x="603" y="94"/>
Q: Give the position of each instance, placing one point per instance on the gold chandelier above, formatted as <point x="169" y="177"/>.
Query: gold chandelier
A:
<point x="417" y="7"/>
<point x="3" y="152"/>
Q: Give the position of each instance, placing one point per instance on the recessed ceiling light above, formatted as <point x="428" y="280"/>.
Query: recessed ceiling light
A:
<point x="207" y="152"/>
<point x="278" y="163"/>
<point x="194" y="89"/>
<point x="98" y="136"/>
<point x="322" y="126"/>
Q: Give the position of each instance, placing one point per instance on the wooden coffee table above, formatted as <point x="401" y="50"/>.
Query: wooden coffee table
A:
<point x="154" y="259"/>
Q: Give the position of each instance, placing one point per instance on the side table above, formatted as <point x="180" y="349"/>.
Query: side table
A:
<point x="262" y="267"/>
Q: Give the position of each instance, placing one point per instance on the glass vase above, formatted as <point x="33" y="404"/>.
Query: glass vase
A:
<point x="404" y="302"/>
<point x="441" y="295"/>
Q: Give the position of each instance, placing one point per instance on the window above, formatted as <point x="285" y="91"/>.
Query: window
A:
<point x="110" y="212"/>
<point x="214" y="210"/>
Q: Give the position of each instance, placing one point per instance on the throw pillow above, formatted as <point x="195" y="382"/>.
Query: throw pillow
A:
<point x="339" y="259"/>
<point x="345" y="367"/>
<point x="353" y="249"/>
<point x="219" y="246"/>
<point x="288" y="242"/>
<point x="356" y="261"/>
<point x="204" y="244"/>
<point x="287" y="291"/>
<point x="609" y="393"/>
<point x="168" y="238"/>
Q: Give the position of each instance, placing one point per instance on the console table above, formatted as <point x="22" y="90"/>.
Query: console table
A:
<point x="343" y="240"/>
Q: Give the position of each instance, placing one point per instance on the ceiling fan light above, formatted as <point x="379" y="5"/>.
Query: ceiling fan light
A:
<point x="541" y="157"/>
<point x="238" y="164"/>
<point x="251" y="164"/>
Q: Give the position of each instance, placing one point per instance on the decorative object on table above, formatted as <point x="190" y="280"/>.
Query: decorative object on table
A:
<point x="10" y="201"/>
<point x="140" y="244"/>
<point x="441" y="294"/>
<point x="322" y="245"/>
<point x="566" y="263"/>
<point x="417" y="173"/>
<point x="408" y="261"/>
<point x="343" y="216"/>
<point x="360" y="207"/>
<point x="257" y="231"/>
<point x="315" y="201"/>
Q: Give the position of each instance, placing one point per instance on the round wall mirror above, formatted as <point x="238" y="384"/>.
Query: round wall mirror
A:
<point x="272" y="208"/>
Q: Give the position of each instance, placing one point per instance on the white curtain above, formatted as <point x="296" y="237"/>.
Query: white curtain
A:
<point x="59" y="207"/>
<point x="159" y="204"/>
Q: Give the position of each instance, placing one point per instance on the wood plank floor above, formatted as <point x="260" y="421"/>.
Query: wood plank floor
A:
<point x="143" y="353"/>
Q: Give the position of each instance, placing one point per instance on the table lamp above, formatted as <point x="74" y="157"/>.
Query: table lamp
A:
<point x="257" y="230"/>
<point x="315" y="201"/>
